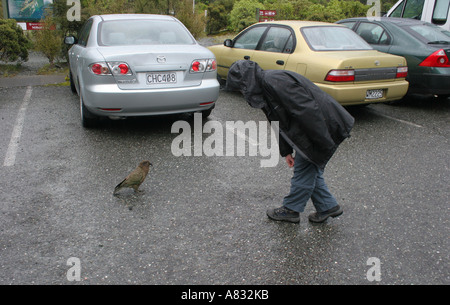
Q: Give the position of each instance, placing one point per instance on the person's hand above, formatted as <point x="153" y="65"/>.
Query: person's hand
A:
<point x="290" y="160"/>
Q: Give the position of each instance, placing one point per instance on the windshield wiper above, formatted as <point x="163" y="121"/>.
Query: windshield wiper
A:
<point x="439" y="42"/>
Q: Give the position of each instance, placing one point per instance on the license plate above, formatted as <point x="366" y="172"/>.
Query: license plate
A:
<point x="161" y="78"/>
<point x="374" y="94"/>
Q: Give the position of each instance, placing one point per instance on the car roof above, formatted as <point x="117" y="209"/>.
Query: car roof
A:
<point x="394" y="20"/>
<point x="300" y="23"/>
<point x="135" y="17"/>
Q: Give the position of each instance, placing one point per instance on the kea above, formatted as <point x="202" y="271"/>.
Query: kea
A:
<point x="135" y="178"/>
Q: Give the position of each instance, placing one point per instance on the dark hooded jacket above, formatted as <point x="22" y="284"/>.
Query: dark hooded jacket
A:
<point x="311" y="122"/>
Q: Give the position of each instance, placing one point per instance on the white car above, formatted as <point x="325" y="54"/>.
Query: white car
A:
<point x="436" y="12"/>
<point x="138" y="65"/>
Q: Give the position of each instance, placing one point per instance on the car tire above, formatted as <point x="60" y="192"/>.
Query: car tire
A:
<point x="206" y="113"/>
<point x="88" y="120"/>
<point x="72" y="84"/>
<point x="222" y="82"/>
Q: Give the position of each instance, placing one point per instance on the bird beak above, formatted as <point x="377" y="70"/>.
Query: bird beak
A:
<point x="151" y="165"/>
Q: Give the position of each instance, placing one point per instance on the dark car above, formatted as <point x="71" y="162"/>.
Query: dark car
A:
<point x="426" y="48"/>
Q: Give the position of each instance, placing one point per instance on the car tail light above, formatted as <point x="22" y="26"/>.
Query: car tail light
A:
<point x="402" y="72"/>
<point x="100" y="69"/>
<point x="110" y="68"/>
<point x="438" y="59"/>
<point x="202" y="65"/>
<point x="347" y="75"/>
<point x="120" y="68"/>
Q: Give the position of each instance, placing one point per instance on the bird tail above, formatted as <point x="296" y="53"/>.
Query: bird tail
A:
<point x="118" y="187"/>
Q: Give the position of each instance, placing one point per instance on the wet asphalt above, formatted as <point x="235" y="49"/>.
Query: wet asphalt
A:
<point x="201" y="220"/>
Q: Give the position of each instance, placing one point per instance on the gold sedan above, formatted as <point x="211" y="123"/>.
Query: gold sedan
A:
<point x="332" y="56"/>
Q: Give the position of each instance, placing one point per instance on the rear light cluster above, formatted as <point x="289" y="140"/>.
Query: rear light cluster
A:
<point x="340" y="76"/>
<point x="438" y="59"/>
<point x="110" y="68"/>
<point x="203" y="65"/>
<point x="402" y="72"/>
<point x="348" y="75"/>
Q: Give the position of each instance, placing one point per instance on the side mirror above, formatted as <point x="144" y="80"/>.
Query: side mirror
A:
<point x="70" y="40"/>
<point x="228" y="43"/>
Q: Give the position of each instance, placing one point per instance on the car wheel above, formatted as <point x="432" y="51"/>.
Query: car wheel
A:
<point x="222" y="82"/>
<point x="206" y="113"/>
<point x="88" y="119"/>
<point x="72" y="84"/>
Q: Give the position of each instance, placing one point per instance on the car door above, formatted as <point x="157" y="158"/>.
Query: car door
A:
<point x="77" y="49"/>
<point x="243" y="46"/>
<point x="274" y="50"/>
<point x="375" y="35"/>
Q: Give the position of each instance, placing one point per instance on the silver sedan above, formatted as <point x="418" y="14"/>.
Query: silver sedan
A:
<point x="135" y="65"/>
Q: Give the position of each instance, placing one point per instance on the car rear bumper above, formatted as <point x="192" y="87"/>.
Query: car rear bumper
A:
<point x="355" y="93"/>
<point x="110" y="100"/>
<point x="428" y="83"/>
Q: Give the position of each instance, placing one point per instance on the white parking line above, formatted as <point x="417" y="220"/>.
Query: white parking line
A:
<point x="395" y="119"/>
<point x="10" y="158"/>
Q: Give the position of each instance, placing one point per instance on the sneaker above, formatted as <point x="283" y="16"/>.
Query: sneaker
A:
<point x="323" y="216"/>
<point x="284" y="214"/>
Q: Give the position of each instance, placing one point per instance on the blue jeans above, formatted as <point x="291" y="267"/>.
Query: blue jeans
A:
<point x="307" y="183"/>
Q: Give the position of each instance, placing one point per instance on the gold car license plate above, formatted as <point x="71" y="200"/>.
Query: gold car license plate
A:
<point x="161" y="78"/>
<point x="374" y="94"/>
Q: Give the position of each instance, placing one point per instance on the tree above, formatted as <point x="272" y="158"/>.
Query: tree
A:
<point x="48" y="40"/>
<point x="284" y="8"/>
<point x="195" y="22"/>
<point x="13" y="43"/>
<point x="244" y="14"/>
<point x="218" y="15"/>
<point x="348" y="9"/>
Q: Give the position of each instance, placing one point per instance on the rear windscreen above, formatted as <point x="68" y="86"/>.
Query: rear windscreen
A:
<point x="430" y="33"/>
<point x="142" y="32"/>
<point x="333" y="38"/>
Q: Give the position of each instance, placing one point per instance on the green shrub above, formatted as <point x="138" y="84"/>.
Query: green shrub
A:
<point x="13" y="43"/>
<point x="48" y="40"/>
<point x="244" y="14"/>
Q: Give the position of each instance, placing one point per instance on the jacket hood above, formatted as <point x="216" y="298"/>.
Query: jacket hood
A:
<point x="245" y="76"/>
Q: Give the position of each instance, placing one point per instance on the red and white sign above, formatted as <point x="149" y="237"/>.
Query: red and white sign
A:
<point x="35" y="26"/>
<point x="267" y="15"/>
<point x="32" y="26"/>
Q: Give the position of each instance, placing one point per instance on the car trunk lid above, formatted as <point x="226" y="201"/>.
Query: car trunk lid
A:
<point x="155" y="67"/>
<point x="368" y="65"/>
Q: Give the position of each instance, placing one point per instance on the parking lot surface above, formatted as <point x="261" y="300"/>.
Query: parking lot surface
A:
<point x="201" y="220"/>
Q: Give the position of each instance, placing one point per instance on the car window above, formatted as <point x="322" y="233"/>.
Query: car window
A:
<point x="85" y="32"/>
<point x="276" y="40"/>
<point x="333" y="38"/>
<point x="289" y="48"/>
<point x="142" y="32"/>
<point x="349" y="24"/>
<point x="398" y="10"/>
<point x="430" y="33"/>
<point x="413" y="9"/>
<point x="373" y="33"/>
<point x="440" y="12"/>
<point x="249" y="39"/>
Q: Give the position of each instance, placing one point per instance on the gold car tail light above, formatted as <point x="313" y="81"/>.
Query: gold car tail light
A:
<point x="402" y="72"/>
<point x="341" y="75"/>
